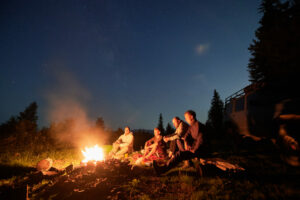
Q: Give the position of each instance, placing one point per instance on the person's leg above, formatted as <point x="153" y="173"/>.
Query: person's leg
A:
<point x="114" y="149"/>
<point x="180" y="145"/>
<point x="201" y="153"/>
<point x="122" y="151"/>
<point x="179" y="156"/>
<point x="187" y="164"/>
<point x="173" y="146"/>
<point x="147" y="150"/>
<point x="130" y="149"/>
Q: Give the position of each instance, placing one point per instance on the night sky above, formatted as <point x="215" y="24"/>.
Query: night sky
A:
<point x="125" y="61"/>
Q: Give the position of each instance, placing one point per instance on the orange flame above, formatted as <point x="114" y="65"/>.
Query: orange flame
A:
<point x="92" y="154"/>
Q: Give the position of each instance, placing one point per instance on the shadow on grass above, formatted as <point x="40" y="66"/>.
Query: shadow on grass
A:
<point x="207" y="171"/>
<point x="8" y="171"/>
<point x="178" y="172"/>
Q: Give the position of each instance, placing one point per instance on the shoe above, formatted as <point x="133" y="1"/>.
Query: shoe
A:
<point x="199" y="170"/>
<point x="159" y="169"/>
<point x="187" y="164"/>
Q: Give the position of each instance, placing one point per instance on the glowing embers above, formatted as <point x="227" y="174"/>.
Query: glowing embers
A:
<point x="92" y="154"/>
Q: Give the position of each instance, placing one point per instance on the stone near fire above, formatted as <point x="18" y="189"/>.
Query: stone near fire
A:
<point x="44" y="165"/>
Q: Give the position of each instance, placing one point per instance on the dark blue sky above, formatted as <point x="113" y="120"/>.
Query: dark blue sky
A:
<point x="126" y="61"/>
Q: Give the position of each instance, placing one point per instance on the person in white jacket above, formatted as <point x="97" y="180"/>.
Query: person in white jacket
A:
<point x="123" y="145"/>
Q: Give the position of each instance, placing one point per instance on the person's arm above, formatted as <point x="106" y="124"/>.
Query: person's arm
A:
<point x="148" y="149"/>
<point x="119" y="140"/>
<point x="188" y="132"/>
<point x="149" y="142"/>
<point x="183" y="130"/>
<point x="171" y="137"/>
<point x="197" y="142"/>
<point x="179" y="132"/>
<point x="185" y="145"/>
<point x="185" y="138"/>
<point x="153" y="150"/>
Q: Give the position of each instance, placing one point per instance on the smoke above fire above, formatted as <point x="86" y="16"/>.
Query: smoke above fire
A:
<point x="68" y="113"/>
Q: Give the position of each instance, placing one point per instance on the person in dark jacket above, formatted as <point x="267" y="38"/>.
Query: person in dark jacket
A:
<point x="195" y="144"/>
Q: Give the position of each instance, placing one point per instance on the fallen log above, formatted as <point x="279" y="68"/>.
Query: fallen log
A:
<point x="221" y="164"/>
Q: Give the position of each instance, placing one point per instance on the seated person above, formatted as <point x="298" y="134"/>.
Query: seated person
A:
<point x="123" y="145"/>
<point x="155" y="148"/>
<point x="176" y="138"/>
<point x="195" y="144"/>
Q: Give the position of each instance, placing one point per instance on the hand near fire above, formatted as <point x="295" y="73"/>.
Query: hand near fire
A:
<point x="166" y="139"/>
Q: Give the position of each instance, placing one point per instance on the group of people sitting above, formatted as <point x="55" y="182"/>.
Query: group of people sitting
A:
<point x="186" y="142"/>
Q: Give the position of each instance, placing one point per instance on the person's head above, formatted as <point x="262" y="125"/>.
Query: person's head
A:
<point x="176" y="121"/>
<point x="156" y="132"/>
<point x="127" y="129"/>
<point x="190" y="116"/>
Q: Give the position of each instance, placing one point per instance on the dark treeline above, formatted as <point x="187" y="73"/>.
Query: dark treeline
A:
<point x="275" y="53"/>
<point x="26" y="122"/>
<point x="22" y="131"/>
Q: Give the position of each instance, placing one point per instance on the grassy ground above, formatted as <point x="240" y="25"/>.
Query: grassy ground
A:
<point x="62" y="157"/>
<point x="214" y="184"/>
<point x="265" y="177"/>
<point x="16" y="162"/>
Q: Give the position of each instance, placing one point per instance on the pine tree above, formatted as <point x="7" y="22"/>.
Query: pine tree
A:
<point x="100" y="123"/>
<point x="215" y="114"/>
<point x="276" y="49"/>
<point x="9" y="127"/>
<point x="169" y="129"/>
<point x="30" y="113"/>
<point x="27" y="120"/>
<point x="160" y="125"/>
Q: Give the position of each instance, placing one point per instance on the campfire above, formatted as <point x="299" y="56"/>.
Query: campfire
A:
<point x="92" y="154"/>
